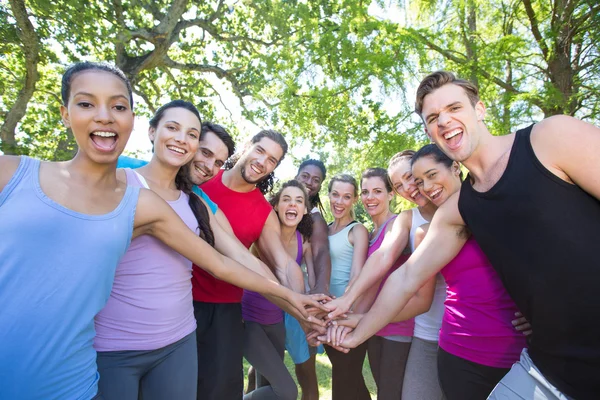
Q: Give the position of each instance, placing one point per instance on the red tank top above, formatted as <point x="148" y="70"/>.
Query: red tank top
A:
<point x="247" y="214"/>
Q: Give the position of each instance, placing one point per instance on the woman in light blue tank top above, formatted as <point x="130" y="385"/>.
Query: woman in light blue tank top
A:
<point x="348" y="246"/>
<point x="64" y="226"/>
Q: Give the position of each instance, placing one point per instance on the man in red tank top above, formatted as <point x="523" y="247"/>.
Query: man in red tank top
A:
<point x="239" y="193"/>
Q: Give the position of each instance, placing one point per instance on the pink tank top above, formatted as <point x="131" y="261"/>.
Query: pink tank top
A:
<point x="477" y="319"/>
<point x="150" y="305"/>
<point x="404" y="328"/>
<point x="256" y="308"/>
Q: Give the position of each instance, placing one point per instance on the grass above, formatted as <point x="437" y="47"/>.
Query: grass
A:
<point x="323" y="375"/>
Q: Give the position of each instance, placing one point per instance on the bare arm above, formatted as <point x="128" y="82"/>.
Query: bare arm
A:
<point x="376" y="266"/>
<point x="320" y="252"/>
<point x="359" y="238"/>
<point x="222" y="220"/>
<point x="271" y="247"/>
<point x="307" y="257"/>
<point x="8" y="167"/>
<point x="569" y="148"/>
<point x="442" y="243"/>
<point x="155" y="217"/>
<point x="421" y="301"/>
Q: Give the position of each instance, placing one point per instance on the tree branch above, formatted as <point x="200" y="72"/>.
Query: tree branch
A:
<point x="535" y="30"/>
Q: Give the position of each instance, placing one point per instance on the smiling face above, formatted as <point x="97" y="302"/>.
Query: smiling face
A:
<point x="403" y="182"/>
<point x="175" y="137"/>
<point x="375" y="196"/>
<point x="435" y="180"/>
<point x="259" y="160"/>
<point x="452" y="122"/>
<point x="99" y="114"/>
<point x="341" y="199"/>
<point x="311" y="177"/>
<point x="210" y="157"/>
<point x="291" y="206"/>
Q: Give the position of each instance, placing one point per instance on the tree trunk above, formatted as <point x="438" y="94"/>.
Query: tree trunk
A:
<point x="30" y="45"/>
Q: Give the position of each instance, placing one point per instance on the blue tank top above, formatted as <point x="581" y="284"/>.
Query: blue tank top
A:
<point x="56" y="272"/>
<point x="133" y="163"/>
<point x="341" y="252"/>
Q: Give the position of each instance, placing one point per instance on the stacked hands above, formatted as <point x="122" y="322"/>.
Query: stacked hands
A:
<point x="331" y="322"/>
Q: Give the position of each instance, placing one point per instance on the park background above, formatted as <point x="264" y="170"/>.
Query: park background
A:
<point x="336" y="77"/>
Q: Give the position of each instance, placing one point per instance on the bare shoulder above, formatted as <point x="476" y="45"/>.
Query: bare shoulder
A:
<point x="448" y="213"/>
<point x="150" y="207"/>
<point x="421" y="232"/>
<point x="8" y="167"/>
<point x="561" y="140"/>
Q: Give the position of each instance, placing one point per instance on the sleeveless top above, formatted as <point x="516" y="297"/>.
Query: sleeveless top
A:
<point x="150" y="305"/>
<point x="256" y="308"/>
<point x="133" y="163"/>
<point x="57" y="270"/>
<point x="540" y="234"/>
<point x="247" y="213"/>
<point x="477" y="321"/>
<point x="427" y="325"/>
<point x="404" y="328"/>
<point x="341" y="252"/>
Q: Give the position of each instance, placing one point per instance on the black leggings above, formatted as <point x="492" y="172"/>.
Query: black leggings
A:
<point x="347" y="381"/>
<point x="462" y="379"/>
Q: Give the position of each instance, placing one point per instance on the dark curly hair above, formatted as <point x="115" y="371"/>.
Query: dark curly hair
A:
<point x="266" y="184"/>
<point x="305" y="225"/>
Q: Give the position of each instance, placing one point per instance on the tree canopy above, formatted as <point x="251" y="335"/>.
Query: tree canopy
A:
<point x="338" y="73"/>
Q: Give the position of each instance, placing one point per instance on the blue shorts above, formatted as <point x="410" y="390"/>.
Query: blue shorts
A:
<point x="295" y="341"/>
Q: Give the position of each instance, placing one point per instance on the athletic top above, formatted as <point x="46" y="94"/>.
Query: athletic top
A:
<point x="341" y="252"/>
<point x="150" y="305"/>
<point x="477" y="321"/>
<point x="247" y="214"/>
<point x="404" y="328"/>
<point x="427" y="325"/>
<point x="541" y="235"/>
<point x="57" y="269"/>
<point x="256" y="308"/>
<point x="133" y="163"/>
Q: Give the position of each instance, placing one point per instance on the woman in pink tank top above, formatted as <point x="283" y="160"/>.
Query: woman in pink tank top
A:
<point x="388" y="349"/>
<point x="478" y="342"/>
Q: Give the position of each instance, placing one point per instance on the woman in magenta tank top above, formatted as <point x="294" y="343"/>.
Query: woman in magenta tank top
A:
<point x="388" y="349"/>
<point x="264" y="336"/>
<point x="478" y="342"/>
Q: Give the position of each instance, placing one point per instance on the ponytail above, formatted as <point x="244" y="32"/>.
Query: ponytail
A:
<point x="199" y="209"/>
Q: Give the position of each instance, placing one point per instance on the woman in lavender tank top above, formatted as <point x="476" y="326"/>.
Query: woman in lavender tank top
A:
<point x="264" y="336"/>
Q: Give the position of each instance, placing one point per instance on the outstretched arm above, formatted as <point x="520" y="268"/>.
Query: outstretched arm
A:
<point x="155" y="217"/>
<point x="273" y="250"/>
<point x="442" y="243"/>
<point x="376" y="266"/>
<point x="319" y="242"/>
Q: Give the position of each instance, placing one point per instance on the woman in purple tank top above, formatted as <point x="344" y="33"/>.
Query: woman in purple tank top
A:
<point x="478" y="342"/>
<point x="264" y="336"/>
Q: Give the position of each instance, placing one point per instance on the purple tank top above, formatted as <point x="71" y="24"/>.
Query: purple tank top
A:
<point x="404" y="328"/>
<point x="256" y="308"/>
<point x="477" y="319"/>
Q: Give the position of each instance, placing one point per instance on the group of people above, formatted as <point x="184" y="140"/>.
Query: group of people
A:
<point x="123" y="279"/>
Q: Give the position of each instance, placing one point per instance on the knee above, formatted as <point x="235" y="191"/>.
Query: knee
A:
<point x="290" y="392"/>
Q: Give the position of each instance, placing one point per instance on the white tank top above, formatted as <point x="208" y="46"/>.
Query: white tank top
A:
<point x="427" y="325"/>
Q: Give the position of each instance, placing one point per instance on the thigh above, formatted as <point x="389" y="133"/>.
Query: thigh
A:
<point x="174" y="375"/>
<point x="393" y="364"/>
<point x="465" y="380"/>
<point x="374" y="352"/>
<point x="120" y="374"/>
<point x="220" y="352"/>
<point x="261" y="352"/>
<point x="420" y="377"/>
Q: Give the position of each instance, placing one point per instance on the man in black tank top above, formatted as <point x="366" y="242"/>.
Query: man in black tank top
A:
<point x="531" y="201"/>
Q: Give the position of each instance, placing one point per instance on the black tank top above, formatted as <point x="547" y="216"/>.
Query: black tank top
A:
<point x="542" y="235"/>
